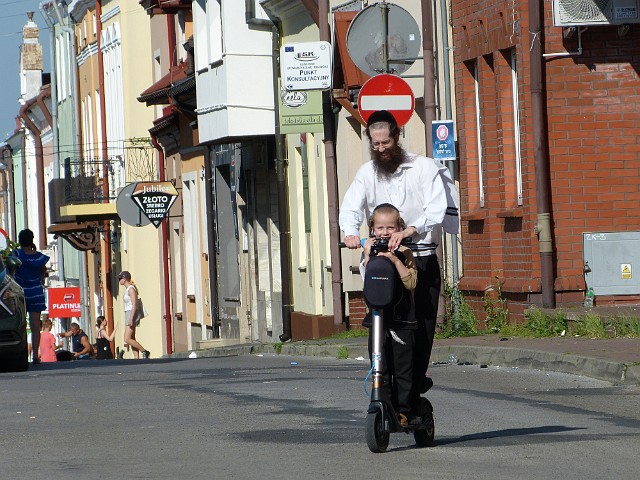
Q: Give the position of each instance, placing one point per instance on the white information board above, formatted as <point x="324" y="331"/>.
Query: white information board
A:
<point x="306" y="66"/>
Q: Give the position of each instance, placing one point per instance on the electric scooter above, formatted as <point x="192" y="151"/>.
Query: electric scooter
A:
<point x="382" y="419"/>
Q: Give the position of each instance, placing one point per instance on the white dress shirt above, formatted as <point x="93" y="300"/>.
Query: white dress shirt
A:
<point x="415" y="189"/>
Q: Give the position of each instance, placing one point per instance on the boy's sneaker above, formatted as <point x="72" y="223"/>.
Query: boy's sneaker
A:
<point x="408" y="419"/>
<point x="121" y="354"/>
<point x="146" y="354"/>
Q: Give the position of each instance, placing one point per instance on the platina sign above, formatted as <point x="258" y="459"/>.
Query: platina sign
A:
<point x="64" y="302"/>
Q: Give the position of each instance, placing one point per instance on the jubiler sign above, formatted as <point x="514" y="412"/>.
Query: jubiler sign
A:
<point x="154" y="199"/>
<point x="64" y="302"/>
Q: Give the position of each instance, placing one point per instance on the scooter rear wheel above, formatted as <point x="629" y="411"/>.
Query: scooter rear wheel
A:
<point x="377" y="438"/>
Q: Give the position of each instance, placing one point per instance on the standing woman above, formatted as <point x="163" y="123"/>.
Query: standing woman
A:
<point x="130" y="300"/>
<point x="30" y="276"/>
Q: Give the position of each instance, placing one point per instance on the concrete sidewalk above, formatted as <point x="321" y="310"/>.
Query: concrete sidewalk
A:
<point x="616" y="360"/>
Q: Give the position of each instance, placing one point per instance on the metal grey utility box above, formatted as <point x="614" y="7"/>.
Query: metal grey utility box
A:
<point x="614" y="260"/>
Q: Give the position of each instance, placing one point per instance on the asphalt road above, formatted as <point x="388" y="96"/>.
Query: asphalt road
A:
<point x="260" y="417"/>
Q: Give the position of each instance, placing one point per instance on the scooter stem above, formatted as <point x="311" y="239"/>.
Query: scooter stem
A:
<point x="376" y="349"/>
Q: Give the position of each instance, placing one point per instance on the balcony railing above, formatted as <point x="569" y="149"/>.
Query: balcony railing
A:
<point x="84" y="178"/>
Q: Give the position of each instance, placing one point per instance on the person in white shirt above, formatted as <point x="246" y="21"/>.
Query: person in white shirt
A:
<point x="412" y="184"/>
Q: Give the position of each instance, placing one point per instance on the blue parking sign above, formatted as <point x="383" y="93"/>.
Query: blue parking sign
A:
<point x="444" y="147"/>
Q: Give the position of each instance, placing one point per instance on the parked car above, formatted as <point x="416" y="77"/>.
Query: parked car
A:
<point x="14" y="350"/>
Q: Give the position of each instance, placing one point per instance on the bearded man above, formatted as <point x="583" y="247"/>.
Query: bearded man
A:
<point x="413" y="185"/>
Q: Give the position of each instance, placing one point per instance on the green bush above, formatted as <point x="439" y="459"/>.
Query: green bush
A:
<point x="496" y="308"/>
<point x="590" y="325"/>
<point x="343" y="353"/>
<point x="460" y="320"/>
<point x="540" y="324"/>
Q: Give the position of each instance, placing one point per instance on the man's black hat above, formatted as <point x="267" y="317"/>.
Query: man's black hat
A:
<point x="381" y="116"/>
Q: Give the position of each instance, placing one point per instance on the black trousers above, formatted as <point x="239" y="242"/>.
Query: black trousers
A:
<point x="426" y="297"/>
<point x="397" y="371"/>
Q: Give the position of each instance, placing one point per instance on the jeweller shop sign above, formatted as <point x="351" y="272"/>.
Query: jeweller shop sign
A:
<point x="154" y="199"/>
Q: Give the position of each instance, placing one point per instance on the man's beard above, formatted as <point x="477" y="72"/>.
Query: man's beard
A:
<point x="386" y="163"/>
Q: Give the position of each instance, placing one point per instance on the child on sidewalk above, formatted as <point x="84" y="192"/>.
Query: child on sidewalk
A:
<point x="48" y="344"/>
<point x="399" y="319"/>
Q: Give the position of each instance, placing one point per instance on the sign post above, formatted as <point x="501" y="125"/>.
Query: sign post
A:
<point x="155" y="199"/>
<point x="387" y="92"/>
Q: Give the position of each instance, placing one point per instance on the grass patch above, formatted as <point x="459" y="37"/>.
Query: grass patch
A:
<point x="343" y="353"/>
<point x="277" y="347"/>
<point x="539" y="324"/>
<point x="589" y="325"/>
<point x="355" y="333"/>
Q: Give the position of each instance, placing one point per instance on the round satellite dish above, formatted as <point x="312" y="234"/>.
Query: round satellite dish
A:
<point x="128" y="210"/>
<point x="365" y="39"/>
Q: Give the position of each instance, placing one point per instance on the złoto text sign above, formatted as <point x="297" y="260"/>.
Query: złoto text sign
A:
<point x="154" y="199"/>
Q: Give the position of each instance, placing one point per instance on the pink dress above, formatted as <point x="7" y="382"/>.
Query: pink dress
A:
<point x="47" y="347"/>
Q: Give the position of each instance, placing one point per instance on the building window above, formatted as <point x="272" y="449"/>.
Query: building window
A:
<point x="476" y="82"/>
<point x="516" y="124"/>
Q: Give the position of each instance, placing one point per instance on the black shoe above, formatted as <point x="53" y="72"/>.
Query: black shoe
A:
<point x="121" y="354"/>
<point x="146" y="354"/>
<point x="427" y="383"/>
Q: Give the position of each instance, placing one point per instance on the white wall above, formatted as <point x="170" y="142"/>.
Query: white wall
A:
<point x="235" y="96"/>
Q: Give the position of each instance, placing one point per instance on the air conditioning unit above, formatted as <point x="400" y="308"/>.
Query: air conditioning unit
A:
<point x="568" y="13"/>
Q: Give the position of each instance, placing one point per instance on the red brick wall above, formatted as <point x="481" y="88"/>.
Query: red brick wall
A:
<point x="593" y="124"/>
<point x="357" y="309"/>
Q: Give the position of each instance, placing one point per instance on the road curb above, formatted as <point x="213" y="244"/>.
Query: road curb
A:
<point x="607" y="370"/>
<point x="610" y="371"/>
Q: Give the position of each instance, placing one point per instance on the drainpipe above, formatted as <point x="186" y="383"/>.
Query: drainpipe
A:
<point x="44" y="10"/>
<point x="332" y="180"/>
<point x="211" y="244"/>
<point x="35" y="131"/>
<point x="429" y="73"/>
<point x="105" y="174"/>
<point x="449" y="114"/>
<point x="283" y="198"/>
<point x="543" y="226"/>
<point x="23" y="164"/>
<point x="171" y="35"/>
<point x="165" y="253"/>
<point x="8" y="182"/>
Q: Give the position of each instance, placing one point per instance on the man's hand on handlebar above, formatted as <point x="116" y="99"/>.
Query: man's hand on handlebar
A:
<point x="352" y="241"/>
<point x="396" y="238"/>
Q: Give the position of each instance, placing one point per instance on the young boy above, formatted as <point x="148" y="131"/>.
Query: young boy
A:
<point x="399" y="319"/>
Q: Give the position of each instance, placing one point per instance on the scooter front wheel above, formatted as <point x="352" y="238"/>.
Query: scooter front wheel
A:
<point x="377" y="438"/>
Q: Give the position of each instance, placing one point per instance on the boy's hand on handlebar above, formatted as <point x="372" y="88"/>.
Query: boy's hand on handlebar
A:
<point x="351" y="241"/>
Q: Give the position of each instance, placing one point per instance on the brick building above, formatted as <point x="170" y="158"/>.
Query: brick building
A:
<point x="584" y="161"/>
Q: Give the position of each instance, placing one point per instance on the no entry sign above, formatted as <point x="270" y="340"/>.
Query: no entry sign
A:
<point x="387" y="92"/>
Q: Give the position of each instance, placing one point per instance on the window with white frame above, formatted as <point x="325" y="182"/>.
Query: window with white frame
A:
<point x="476" y="82"/>
<point x="516" y="124"/>
<point x="207" y="17"/>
